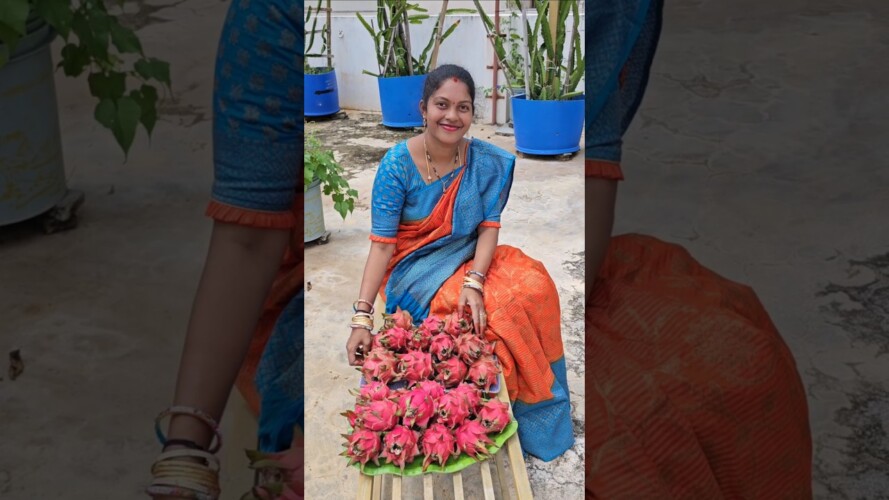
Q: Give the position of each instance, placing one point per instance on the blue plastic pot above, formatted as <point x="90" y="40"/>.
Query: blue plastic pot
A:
<point x="547" y="127"/>
<point x="321" y="97"/>
<point x="400" y="99"/>
<point x="32" y="171"/>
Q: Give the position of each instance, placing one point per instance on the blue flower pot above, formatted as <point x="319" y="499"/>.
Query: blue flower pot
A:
<point x="547" y="127"/>
<point x="400" y="99"/>
<point x="321" y="97"/>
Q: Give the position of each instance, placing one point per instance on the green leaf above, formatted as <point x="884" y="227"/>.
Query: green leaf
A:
<point x="57" y="13"/>
<point x="75" y="58"/>
<point x="124" y="39"/>
<point x="4" y="55"/>
<point x="126" y="121"/>
<point x="111" y="85"/>
<point x="146" y="97"/>
<point x="105" y="113"/>
<point x="459" y="11"/>
<point x="14" y="14"/>
<point x="153" y="68"/>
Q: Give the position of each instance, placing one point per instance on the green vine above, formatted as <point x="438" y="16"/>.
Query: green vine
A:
<point x="119" y="73"/>
<point x="319" y="163"/>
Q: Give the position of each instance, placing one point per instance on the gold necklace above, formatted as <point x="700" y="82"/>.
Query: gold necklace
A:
<point x="431" y="168"/>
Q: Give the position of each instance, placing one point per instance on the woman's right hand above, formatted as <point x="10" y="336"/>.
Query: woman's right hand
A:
<point x="359" y="342"/>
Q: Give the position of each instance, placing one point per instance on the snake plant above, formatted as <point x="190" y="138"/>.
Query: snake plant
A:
<point x="312" y="17"/>
<point x="546" y="74"/>
<point x="392" y="40"/>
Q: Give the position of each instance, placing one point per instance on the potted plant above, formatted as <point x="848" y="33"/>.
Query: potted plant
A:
<point x="549" y="115"/>
<point x="400" y="75"/>
<point x="321" y="172"/>
<point x="321" y="94"/>
<point x="120" y="75"/>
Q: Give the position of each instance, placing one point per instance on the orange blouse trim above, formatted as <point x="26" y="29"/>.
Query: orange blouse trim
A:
<point x="254" y="218"/>
<point x="603" y="169"/>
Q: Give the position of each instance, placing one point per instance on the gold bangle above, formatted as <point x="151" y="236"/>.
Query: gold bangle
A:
<point x="362" y="301"/>
<point x="470" y="280"/>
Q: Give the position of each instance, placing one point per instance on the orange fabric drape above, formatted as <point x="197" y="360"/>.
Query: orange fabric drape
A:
<point x="690" y="390"/>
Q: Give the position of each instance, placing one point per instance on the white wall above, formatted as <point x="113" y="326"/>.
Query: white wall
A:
<point x="353" y="51"/>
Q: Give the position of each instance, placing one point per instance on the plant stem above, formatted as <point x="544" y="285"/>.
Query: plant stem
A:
<point x="441" y="17"/>
<point x="407" y="43"/>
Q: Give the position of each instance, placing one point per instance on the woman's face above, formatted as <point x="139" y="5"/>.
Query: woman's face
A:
<point x="449" y="112"/>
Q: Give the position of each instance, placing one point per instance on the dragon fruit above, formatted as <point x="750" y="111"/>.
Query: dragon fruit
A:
<point x="432" y="388"/>
<point x="378" y="415"/>
<point x="400" y="446"/>
<point x="470" y="395"/>
<point x="451" y="371"/>
<point x="442" y="346"/>
<point x="433" y="325"/>
<point x="401" y="319"/>
<point x="381" y="366"/>
<point x="373" y="391"/>
<point x="470" y="347"/>
<point x="416" y="408"/>
<point x="419" y="339"/>
<point x="362" y="446"/>
<point x="472" y="438"/>
<point x="494" y="415"/>
<point x="465" y="321"/>
<point x="394" y="339"/>
<point x="415" y="366"/>
<point x="438" y="445"/>
<point x="452" y="324"/>
<point x="483" y="372"/>
<point x="451" y="410"/>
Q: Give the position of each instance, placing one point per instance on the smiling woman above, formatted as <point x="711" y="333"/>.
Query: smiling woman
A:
<point x="436" y="206"/>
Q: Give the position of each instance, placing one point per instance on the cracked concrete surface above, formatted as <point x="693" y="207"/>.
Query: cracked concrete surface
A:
<point x="760" y="146"/>
<point x="540" y="218"/>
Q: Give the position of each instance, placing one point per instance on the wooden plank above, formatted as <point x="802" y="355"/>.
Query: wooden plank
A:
<point x="365" y="487"/>
<point x="487" y="484"/>
<point x="377" y="488"/>
<point x="427" y="487"/>
<point x="514" y="451"/>
<point x="396" y="487"/>
<point x="458" y="485"/>
<point x="500" y="468"/>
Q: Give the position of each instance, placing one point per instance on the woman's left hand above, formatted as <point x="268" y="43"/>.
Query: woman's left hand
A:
<point x="476" y="302"/>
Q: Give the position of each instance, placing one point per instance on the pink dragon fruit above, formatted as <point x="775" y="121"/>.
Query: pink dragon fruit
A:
<point x="416" y="408"/>
<point x="395" y="395"/>
<point x="401" y="319"/>
<point x="483" y="372"/>
<point x="381" y="366"/>
<point x="470" y="347"/>
<point x="419" y="339"/>
<point x="470" y="395"/>
<point x="494" y="415"/>
<point x="400" y="446"/>
<point x="394" y="339"/>
<point x="434" y="389"/>
<point x="373" y="391"/>
<point x="433" y="325"/>
<point x="439" y="444"/>
<point x="451" y="371"/>
<point x="363" y="446"/>
<point x="354" y="418"/>
<point x="442" y="346"/>
<point x="415" y="366"/>
<point x="472" y="438"/>
<point x="378" y="415"/>
<point x="452" y="324"/>
<point x="466" y="321"/>
<point x="451" y="410"/>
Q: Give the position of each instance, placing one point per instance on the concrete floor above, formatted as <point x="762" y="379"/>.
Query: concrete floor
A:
<point x="760" y="146"/>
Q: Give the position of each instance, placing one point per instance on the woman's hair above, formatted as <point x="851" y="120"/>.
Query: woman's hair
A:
<point x="436" y="77"/>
